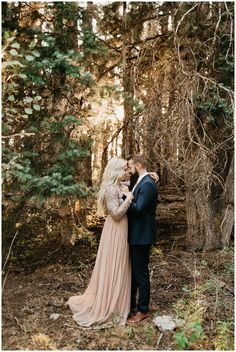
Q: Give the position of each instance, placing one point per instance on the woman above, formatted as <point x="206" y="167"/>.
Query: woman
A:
<point x="107" y="297"/>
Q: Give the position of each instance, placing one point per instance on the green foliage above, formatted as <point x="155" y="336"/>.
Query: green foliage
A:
<point x="213" y="107"/>
<point x="224" y="339"/>
<point x="149" y="332"/>
<point x="191" y="310"/>
<point x="193" y="332"/>
<point x="130" y="332"/>
<point x="181" y="340"/>
<point x="27" y="170"/>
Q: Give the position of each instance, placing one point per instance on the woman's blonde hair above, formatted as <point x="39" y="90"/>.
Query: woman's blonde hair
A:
<point x="113" y="169"/>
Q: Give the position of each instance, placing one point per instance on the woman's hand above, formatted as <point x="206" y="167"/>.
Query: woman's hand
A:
<point x="126" y="192"/>
<point x="124" y="189"/>
<point x="154" y="176"/>
<point x="129" y="195"/>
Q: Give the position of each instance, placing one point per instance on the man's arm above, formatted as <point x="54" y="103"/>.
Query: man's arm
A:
<point x="143" y="200"/>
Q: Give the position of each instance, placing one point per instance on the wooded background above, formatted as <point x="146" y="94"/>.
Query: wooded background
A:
<point x="82" y="82"/>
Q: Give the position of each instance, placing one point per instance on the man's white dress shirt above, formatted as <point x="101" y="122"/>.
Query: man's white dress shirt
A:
<point x="139" y="179"/>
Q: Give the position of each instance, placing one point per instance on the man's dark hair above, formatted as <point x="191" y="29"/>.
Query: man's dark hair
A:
<point x="138" y="158"/>
<point x="129" y="157"/>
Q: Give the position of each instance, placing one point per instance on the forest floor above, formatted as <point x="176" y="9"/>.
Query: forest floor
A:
<point x="44" y="272"/>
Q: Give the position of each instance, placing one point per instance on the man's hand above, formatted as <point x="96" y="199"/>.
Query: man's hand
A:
<point x="154" y="176"/>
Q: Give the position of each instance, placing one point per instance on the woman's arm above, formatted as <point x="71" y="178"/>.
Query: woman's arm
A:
<point x="112" y="201"/>
<point x="154" y="176"/>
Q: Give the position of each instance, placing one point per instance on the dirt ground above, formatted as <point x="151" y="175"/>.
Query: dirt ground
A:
<point x="32" y="293"/>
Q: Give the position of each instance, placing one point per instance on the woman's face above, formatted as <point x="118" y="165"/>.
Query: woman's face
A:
<point x="126" y="175"/>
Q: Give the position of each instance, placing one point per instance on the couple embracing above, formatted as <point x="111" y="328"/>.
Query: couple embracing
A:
<point x="119" y="288"/>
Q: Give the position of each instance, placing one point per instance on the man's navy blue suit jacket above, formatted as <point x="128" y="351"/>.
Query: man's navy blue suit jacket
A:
<point x="142" y="213"/>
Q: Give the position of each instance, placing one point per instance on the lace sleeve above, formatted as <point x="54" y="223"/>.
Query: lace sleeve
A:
<point x="112" y="202"/>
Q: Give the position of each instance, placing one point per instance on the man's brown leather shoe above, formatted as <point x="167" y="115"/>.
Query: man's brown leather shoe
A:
<point x="132" y="312"/>
<point x="138" y="318"/>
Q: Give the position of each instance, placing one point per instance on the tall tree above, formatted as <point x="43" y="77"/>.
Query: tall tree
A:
<point x="188" y="114"/>
<point x="43" y="139"/>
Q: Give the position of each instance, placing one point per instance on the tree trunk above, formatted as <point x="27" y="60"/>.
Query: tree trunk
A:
<point x="86" y="24"/>
<point x="228" y="208"/>
<point x="201" y="230"/>
<point x="128" y="143"/>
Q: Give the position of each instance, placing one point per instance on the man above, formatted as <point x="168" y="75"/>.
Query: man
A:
<point x="134" y="177"/>
<point x="141" y="235"/>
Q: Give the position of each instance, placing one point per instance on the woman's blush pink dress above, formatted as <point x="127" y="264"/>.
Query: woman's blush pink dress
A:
<point x="107" y="297"/>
